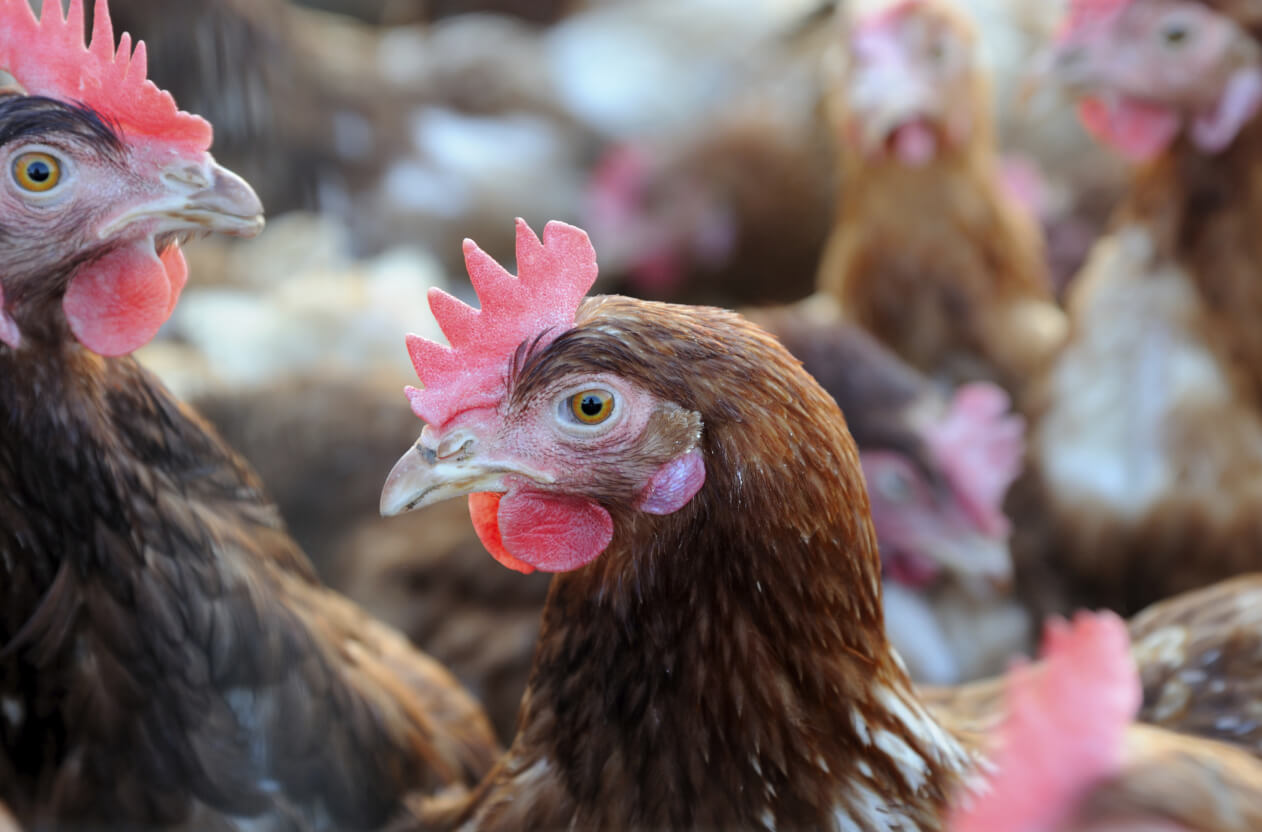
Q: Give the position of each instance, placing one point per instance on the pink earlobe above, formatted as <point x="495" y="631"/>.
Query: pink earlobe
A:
<point x="675" y="483"/>
<point x="9" y="333"/>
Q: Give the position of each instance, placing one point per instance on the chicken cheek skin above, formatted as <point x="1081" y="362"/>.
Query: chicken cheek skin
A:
<point x="529" y="530"/>
<point x="117" y="304"/>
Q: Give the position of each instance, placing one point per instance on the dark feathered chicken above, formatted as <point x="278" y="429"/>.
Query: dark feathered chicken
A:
<point x="419" y="573"/>
<point x="167" y="657"/>
<point x="712" y="654"/>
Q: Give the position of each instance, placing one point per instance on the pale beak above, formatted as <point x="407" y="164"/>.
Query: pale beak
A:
<point x="976" y="558"/>
<point x="197" y="197"/>
<point x="424" y="476"/>
<point x="1036" y="77"/>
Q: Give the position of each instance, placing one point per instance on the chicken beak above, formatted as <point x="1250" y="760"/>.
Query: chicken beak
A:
<point x="205" y="197"/>
<point x="978" y="558"/>
<point x="426" y="475"/>
<point x="1035" y="78"/>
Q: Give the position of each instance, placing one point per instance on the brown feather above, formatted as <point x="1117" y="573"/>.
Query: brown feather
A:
<point x="174" y="661"/>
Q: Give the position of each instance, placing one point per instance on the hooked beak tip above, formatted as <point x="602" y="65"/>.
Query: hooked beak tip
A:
<point x="403" y="489"/>
<point x="229" y="204"/>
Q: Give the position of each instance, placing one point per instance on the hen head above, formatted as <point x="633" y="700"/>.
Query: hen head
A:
<point x="1150" y="71"/>
<point x="911" y="89"/>
<point x="544" y="424"/>
<point x="101" y="178"/>
<point x="949" y="519"/>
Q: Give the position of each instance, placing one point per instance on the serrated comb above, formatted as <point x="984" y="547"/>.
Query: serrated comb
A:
<point x="48" y="57"/>
<point x="536" y="306"/>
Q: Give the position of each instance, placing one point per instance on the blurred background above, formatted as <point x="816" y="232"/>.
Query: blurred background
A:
<point x="689" y="137"/>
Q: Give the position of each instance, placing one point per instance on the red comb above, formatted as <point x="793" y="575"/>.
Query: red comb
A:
<point x="1086" y="14"/>
<point x="48" y="58"/>
<point x="887" y="15"/>
<point x="1064" y="730"/>
<point x="979" y="444"/>
<point x="537" y="306"/>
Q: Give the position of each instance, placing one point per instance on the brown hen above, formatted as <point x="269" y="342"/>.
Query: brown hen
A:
<point x="1145" y="474"/>
<point x="928" y="251"/>
<point x="712" y="653"/>
<point x="167" y="657"/>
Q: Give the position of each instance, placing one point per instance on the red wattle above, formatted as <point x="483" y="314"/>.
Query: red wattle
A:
<point x="529" y="530"/>
<point x="484" y="508"/>
<point x="116" y="304"/>
<point x="1138" y="130"/>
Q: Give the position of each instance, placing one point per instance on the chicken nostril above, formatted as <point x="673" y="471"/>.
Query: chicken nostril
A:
<point x="1069" y="57"/>
<point x="458" y="444"/>
<point x="192" y="175"/>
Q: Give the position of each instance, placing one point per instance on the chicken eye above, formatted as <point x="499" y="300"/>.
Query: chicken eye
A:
<point x="591" y="407"/>
<point x="895" y="486"/>
<point x="36" y="172"/>
<point x="1176" y="34"/>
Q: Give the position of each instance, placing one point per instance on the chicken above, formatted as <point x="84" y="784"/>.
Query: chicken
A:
<point x="941" y="532"/>
<point x="936" y="473"/>
<point x="1068" y="759"/>
<point x="1145" y="470"/>
<point x="712" y="652"/>
<point x="167" y="657"/>
<point x="929" y="252"/>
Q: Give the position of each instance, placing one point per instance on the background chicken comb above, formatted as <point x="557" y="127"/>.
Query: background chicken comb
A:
<point x="1064" y="729"/>
<point x="1085" y="14"/>
<point x="980" y="445"/>
<point x="537" y="306"/>
<point x="48" y="58"/>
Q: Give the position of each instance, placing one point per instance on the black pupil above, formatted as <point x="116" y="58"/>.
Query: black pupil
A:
<point x="1176" y="34"/>
<point x="591" y="405"/>
<point x="39" y="171"/>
